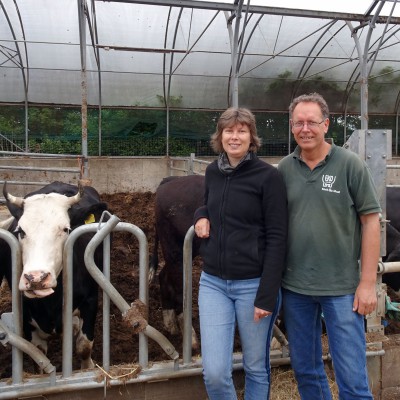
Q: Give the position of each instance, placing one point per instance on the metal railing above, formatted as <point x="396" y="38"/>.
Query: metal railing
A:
<point x="76" y="172"/>
<point x="11" y="323"/>
<point x="188" y="165"/>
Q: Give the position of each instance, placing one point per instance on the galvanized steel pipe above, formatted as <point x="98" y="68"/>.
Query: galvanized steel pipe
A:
<point x="7" y="336"/>
<point x="114" y="295"/>
<point x="16" y="270"/>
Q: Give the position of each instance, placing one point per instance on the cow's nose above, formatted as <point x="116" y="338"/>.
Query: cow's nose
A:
<point x="36" y="280"/>
<point x="36" y="277"/>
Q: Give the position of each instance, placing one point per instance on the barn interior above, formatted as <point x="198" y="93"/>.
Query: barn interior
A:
<point x="122" y="93"/>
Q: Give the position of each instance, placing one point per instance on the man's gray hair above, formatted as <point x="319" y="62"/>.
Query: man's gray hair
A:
<point x="310" y="98"/>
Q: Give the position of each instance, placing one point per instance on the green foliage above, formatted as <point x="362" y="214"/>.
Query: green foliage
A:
<point x="143" y="132"/>
<point x="281" y="90"/>
<point x="377" y="85"/>
<point x="12" y="120"/>
<point x="174" y="101"/>
<point x="55" y="145"/>
<point x="282" y="83"/>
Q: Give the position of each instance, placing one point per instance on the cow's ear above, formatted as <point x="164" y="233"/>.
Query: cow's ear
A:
<point x="81" y="215"/>
<point x="15" y="211"/>
<point x="14" y="204"/>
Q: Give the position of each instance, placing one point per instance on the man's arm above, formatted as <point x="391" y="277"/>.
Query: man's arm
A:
<point x="365" y="297"/>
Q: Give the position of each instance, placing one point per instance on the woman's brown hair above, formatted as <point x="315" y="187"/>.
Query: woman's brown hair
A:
<point x="231" y="117"/>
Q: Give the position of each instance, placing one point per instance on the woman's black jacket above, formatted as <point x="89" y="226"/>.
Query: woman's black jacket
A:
<point x="247" y="210"/>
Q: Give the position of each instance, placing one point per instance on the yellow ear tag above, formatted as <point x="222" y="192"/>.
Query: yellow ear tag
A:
<point x="90" y="219"/>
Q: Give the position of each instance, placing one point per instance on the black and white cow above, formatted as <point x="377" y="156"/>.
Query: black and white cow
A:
<point x="42" y="222"/>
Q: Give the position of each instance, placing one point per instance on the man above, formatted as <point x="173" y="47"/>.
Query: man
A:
<point x="333" y="253"/>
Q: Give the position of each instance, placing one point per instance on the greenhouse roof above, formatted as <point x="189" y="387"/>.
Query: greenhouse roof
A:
<point x="200" y="54"/>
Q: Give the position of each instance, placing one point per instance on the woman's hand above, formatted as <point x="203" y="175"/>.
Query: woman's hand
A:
<point x="259" y="313"/>
<point x="202" y="228"/>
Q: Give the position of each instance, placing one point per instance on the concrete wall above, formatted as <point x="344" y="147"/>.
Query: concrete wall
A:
<point x="390" y="372"/>
<point x="113" y="174"/>
<point x="107" y="174"/>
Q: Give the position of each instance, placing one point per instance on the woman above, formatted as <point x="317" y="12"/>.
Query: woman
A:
<point x="244" y="225"/>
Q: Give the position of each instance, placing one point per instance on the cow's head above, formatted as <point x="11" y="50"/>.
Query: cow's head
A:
<point x="43" y="226"/>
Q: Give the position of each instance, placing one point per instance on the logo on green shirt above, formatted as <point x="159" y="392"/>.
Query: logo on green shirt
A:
<point x="327" y="183"/>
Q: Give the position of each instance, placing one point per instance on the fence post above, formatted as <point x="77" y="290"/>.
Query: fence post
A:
<point x="191" y="163"/>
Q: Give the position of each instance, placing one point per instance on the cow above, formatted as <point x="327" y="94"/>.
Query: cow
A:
<point x="176" y="200"/>
<point x="392" y="235"/>
<point x="42" y="221"/>
<point x="393" y="206"/>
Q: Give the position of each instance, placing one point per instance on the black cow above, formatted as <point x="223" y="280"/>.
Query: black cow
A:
<point x="392" y="235"/>
<point x="42" y="223"/>
<point x="176" y="200"/>
<point x="393" y="206"/>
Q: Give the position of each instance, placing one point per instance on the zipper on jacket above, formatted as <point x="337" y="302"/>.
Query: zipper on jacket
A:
<point x="221" y="233"/>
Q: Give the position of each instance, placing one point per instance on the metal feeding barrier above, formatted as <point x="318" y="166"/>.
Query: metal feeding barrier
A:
<point x="11" y="323"/>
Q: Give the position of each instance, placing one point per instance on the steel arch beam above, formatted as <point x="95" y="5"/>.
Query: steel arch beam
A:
<point x="25" y="76"/>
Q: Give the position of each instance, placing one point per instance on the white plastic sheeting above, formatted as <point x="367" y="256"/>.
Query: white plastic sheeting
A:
<point x="151" y="52"/>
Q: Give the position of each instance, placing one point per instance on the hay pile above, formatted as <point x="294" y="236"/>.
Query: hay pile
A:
<point x="284" y="387"/>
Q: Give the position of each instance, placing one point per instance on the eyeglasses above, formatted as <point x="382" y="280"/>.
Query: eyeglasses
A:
<point x="310" y="124"/>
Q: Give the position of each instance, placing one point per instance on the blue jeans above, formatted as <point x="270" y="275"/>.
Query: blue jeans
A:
<point x="346" y="337"/>
<point x="222" y="303"/>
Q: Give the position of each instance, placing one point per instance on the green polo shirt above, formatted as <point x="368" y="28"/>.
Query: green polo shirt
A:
<point x="324" y="229"/>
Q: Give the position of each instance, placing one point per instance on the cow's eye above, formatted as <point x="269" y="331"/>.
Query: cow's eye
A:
<point x="20" y="232"/>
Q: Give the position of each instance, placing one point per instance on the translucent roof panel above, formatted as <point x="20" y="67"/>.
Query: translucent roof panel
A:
<point x="344" y="6"/>
<point x="11" y="85"/>
<point x="49" y="86"/>
<point x="128" y="25"/>
<point x="137" y="54"/>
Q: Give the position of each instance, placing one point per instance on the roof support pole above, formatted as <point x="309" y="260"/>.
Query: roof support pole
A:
<point x="82" y="41"/>
<point x="171" y="64"/>
<point x="167" y="85"/>
<point x="166" y="89"/>
<point x="234" y="39"/>
<point x="363" y="61"/>
<point x="24" y="70"/>
<point x="362" y="57"/>
<point x="96" y="49"/>
<point x="397" y="133"/>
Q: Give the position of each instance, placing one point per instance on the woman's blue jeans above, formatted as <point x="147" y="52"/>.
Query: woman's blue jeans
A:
<point x="222" y="303"/>
<point x="346" y="337"/>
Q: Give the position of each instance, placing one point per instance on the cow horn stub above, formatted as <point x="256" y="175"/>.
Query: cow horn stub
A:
<point x="18" y="201"/>
<point x="81" y="189"/>
<point x="75" y="199"/>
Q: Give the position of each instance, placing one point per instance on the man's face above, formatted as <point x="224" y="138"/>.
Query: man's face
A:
<point x="309" y="126"/>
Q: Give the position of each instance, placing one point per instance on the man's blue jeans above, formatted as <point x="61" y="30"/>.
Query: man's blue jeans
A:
<point x="221" y="304"/>
<point x="346" y="337"/>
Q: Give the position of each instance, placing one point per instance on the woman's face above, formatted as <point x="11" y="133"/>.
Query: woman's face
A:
<point x="236" y="142"/>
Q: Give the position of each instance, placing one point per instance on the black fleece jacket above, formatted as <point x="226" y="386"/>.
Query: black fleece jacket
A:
<point x="247" y="210"/>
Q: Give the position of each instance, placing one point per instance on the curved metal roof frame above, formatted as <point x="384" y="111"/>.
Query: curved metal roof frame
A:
<point x="252" y="53"/>
<point x="237" y="44"/>
<point x="25" y="74"/>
